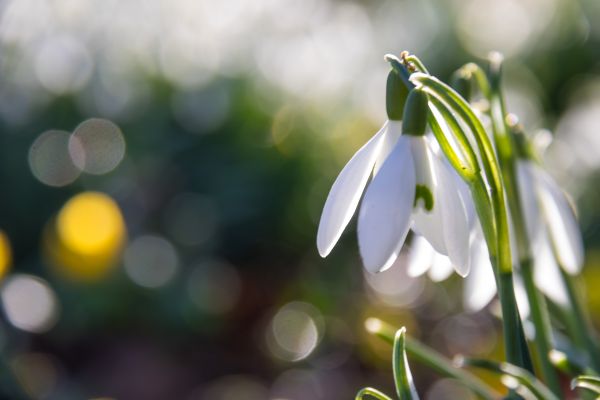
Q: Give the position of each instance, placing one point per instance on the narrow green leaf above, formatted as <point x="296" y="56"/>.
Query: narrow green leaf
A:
<point x="405" y="387"/>
<point x="524" y="377"/>
<point x="371" y="392"/>
<point x="432" y="359"/>
<point x="587" y="382"/>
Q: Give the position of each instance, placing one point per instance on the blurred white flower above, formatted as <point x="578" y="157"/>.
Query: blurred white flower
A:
<point x="412" y="187"/>
<point x="552" y="229"/>
<point x="479" y="285"/>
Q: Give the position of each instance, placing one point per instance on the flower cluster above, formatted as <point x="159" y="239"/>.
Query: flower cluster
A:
<point x="472" y="191"/>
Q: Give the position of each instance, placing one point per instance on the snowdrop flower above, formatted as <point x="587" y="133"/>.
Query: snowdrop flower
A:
<point x="480" y="284"/>
<point x="552" y="229"/>
<point x="412" y="187"/>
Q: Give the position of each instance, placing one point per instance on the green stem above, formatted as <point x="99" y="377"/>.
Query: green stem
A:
<point x="500" y="251"/>
<point x="581" y="321"/>
<point x="505" y="146"/>
<point x="433" y="359"/>
<point x="543" y="332"/>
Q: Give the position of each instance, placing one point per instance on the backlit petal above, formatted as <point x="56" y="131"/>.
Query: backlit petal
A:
<point x="420" y="256"/>
<point x="385" y="213"/>
<point x="455" y="223"/>
<point x="394" y="130"/>
<point x="547" y="274"/>
<point x="441" y="268"/>
<point x="562" y="224"/>
<point x="529" y="199"/>
<point x="427" y="222"/>
<point x="480" y="284"/>
<point x="346" y="192"/>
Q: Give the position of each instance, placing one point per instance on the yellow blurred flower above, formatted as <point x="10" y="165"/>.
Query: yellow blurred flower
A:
<point x="5" y="254"/>
<point x="85" y="240"/>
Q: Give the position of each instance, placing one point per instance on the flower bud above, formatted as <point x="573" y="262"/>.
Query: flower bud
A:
<point x="395" y="96"/>
<point x="415" y="113"/>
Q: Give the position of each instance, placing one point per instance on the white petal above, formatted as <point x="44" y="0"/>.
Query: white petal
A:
<point x="529" y="199"/>
<point x="394" y="130"/>
<point x="346" y="192"/>
<point x="455" y="221"/>
<point x="547" y="275"/>
<point x="480" y="284"/>
<point x="441" y="268"/>
<point x="427" y="222"/>
<point x="521" y="297"/>
<point x="562" y="223"/>
<point x="385" y="213"/>
<point x="420" y="256"/>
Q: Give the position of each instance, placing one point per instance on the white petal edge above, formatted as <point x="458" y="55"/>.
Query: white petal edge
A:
<point x="384" y="217"/>
<point x="529" y="199"/>
<point x="455" y="220"/>
<point x="480" y="284"/>
<point x="546" y="273"/>
<point x="441" y="268"/>
<point x="345" y="193"/>
<point x="393" y="132"/>
<point x="562" y="225"/>
<point x="420" y="256"/>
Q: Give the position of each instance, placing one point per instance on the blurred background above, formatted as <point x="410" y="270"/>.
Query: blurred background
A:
<point x="163" y="165"/>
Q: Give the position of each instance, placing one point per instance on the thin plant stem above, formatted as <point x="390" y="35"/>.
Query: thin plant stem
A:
<point x="580" y="320"/>
<point x="500" y="251"/>
<point x="506" y="153"/>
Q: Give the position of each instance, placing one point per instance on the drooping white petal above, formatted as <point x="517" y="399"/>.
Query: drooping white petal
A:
<point x="427" y="222"/>
<point x="562" y="224"/>
<point x="346" y="192"/>
<point x="480" y="284"/>
<point x="455" y="221"/>
<point x="521" y="297"/>
<point x="529" y="199"/>
<point x="546" y="273"/>
<point x="441" y="267"/>
<point x="420" y="256"/>
<point x="393" y="132"/>
<point x="384" y="217"/>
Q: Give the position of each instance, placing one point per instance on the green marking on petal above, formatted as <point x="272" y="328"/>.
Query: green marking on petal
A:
<point x="423" y="192"/>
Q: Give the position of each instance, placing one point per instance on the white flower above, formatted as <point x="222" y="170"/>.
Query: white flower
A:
<point x="412" y="187"/>
<point x="479" y="285"/>
<point x="552" y="229"/>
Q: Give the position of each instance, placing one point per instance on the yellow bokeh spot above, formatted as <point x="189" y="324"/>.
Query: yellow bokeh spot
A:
<point x="90" y="223"/>
<point x="5" y="254"/>
<point x="87" y="236"/>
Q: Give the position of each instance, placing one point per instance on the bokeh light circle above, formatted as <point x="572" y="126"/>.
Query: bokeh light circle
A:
<point x="29" y="303"/>
<point x="97" y="146"/>
<point x="87" y="236"/>
<point x="89" y="222"/>
<point x="294" y="331"/>
<point x="49" y="159"/>
<point x="150" y="261"/>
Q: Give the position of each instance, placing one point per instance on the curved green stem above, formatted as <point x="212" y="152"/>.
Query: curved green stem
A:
<point x="463" y="142"/>
<point x="500" y="251"/>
